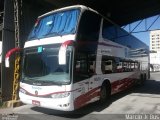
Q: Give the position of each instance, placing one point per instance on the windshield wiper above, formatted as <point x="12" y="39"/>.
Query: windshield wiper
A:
<point x="52" y="83"/>
<point x="30" y="80"/>
<point x="35" y="81"/>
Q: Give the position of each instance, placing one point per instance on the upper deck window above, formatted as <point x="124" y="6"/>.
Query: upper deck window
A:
<point x="56" y="24"/>
<point x="109" y="31"/>
<point x="89" y="26"/>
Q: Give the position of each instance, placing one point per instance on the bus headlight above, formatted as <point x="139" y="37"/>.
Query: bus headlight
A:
<point x="60" y="95"/>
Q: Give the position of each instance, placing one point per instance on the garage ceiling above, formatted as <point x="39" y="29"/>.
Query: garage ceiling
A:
<point x="120" y="11"/>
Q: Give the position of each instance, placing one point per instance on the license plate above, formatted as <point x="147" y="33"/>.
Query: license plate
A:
<point x="35" y="102"/>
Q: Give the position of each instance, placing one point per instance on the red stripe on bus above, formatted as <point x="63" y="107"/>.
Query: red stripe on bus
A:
<point x="123" y="84"/>
<point x="48" y="94"/>
<point x="83" y="99"/>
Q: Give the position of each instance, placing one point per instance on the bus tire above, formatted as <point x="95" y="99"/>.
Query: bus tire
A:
<point x="104" y="92"/>
<point x="142" y="79"/>
<point x="148" y="76"/>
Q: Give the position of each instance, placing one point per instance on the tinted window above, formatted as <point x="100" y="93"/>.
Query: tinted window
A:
<point x="84" y="66"/>
<point x="109" y="31"/>
<point x="112" y="64"/>
<point x="89" y="26"/>
<point x="42" y="64"/>
<point x="108" y="64"/>
<point x="56" y="24"/>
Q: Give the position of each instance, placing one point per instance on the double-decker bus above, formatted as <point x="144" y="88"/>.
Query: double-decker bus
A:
<point x="74" y="56"/>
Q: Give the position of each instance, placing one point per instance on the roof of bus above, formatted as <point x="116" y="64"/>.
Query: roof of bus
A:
<point x="67" y="8"/>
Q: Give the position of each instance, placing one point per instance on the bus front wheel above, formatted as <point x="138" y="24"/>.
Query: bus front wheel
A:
<point x="142" y="79"/>
<point x="104" y="93"/>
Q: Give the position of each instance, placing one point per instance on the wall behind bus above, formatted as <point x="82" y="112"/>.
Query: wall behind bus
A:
<point x="30" y="10"/>
<point x="8" y="42"/>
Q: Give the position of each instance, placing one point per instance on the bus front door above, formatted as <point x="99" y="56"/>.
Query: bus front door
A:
<point x="81" y="93"/>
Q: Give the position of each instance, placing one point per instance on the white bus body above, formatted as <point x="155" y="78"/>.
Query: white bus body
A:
<point x="65" y="68"/>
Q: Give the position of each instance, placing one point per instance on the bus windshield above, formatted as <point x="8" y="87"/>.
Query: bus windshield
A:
<point x="56" y="24"/>
<point x="41" y="65"/>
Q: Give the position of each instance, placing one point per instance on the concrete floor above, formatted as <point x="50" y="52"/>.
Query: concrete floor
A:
<point x="136" y="103"/>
